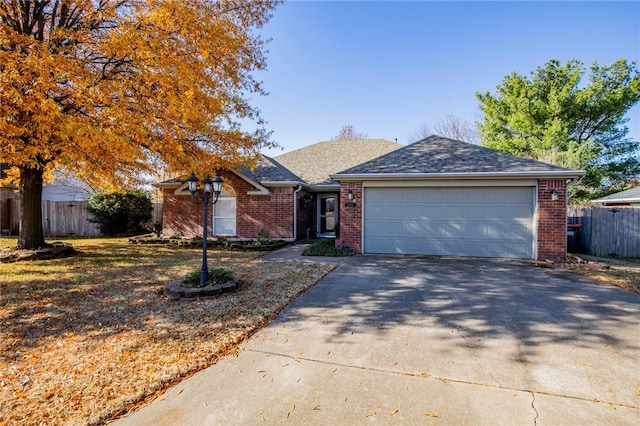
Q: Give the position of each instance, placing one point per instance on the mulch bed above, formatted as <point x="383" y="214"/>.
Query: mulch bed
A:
<point x="56" y="250"/>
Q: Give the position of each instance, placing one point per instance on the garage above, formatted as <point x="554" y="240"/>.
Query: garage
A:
<point x="439" y="196"/>
<point x="453" y="221"/>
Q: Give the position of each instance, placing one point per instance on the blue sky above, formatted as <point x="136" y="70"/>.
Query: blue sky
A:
<point x="387" y="67"/>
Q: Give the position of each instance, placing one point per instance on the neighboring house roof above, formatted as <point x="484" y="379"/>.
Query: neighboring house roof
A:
<point x="629" y="196"/>
<point x="315" y="163"/>
<point x="66" y="187"/>
<point x="438" y="157"/>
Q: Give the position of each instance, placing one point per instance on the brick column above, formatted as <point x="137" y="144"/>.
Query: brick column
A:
<point x="552" y="221"/>
<point x="351" y="217"/>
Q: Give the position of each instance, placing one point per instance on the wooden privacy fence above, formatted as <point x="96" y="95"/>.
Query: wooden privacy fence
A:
<point x="66" y="218"/>
<point x="613" y="232"/>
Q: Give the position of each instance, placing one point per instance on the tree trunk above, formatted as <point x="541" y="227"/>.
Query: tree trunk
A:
<point x="31" y="235"/>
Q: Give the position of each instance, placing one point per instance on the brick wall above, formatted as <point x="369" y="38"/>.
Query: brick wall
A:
<point x="552" y="220"/>
<point x="180" y="215"/>
<point x="273" y="212"/>
<point x="351" y="217"/>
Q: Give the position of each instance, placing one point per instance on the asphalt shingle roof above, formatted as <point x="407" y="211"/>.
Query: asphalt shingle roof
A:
<point x="269" y="170"/>
<point x="316" y="162"/>
<point x="436" y="154"/>
<point x="629" y="195"/>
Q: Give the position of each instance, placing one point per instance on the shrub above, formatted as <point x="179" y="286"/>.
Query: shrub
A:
<point x="216" y="276"/>
<point x="326" y="248"/>
<point x="120" y="212"/>
<point x="263" y="235"/>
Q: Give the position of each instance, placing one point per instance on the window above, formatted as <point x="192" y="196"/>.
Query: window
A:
<point x="224" y="212"/>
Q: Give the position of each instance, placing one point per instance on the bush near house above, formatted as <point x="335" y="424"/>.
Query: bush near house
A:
<point x="119" y="213"/>
<point x="326" y="248"/>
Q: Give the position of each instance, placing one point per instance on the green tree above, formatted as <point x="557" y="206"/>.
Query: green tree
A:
<point x="554" y="116"/>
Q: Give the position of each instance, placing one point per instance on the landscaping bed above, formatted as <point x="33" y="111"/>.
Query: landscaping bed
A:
<point x="623" y="273"/>
<point x="53" y="251"/>
<point x="327" y="248"/>
<point x="221" y="243"/>
<point x="89" y="337"/>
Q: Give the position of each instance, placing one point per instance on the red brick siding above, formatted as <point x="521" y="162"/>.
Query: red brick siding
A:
<point x="351" y="217"/>
<point x="273" y="212"/>
<point x="180" y="215"/>
<point x="552" y="220"/>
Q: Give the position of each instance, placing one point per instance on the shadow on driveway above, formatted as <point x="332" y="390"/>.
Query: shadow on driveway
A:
<point x="461" y="317"/>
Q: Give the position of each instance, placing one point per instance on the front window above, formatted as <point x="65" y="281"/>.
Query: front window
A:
<point x="224" y="212"/>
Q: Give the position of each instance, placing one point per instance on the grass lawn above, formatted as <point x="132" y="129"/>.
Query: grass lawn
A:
<point x="88" y="337"/>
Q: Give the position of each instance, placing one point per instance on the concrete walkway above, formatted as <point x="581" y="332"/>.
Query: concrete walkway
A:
<point x="416" y="340"/>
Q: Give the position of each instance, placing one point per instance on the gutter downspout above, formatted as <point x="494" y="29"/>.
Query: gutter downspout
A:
<point x="295" y="213"/>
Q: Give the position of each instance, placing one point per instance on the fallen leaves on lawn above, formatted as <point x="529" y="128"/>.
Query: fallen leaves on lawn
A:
<point x="624" y="277"/>
<point x="88" y="337"/>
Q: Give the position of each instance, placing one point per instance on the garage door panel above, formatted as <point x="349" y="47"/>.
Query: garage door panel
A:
<point x="476" y="221"/>
<point x="404" y="246"/>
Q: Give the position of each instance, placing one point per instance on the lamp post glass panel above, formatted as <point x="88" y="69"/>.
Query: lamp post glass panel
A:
<point x="208" y="185"/>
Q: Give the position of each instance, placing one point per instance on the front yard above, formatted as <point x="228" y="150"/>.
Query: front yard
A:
<point x="88" y="337"/>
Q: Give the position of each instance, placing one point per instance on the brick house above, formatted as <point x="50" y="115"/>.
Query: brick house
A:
<point x="436" y="196"/>
<point x="291" y="196"/>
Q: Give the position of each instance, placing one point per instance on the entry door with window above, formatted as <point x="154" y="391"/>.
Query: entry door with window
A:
<point x="327" y="215"/>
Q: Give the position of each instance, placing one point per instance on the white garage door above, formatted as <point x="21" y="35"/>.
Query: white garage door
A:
<point x="471" y="221"/>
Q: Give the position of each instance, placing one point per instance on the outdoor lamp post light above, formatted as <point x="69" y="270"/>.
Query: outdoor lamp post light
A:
<point x="208" y="186"/>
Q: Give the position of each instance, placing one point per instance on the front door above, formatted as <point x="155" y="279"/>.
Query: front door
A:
<point x="327" y="215"/>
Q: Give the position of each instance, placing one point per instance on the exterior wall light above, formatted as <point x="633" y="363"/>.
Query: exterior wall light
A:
<point x="554" y="195"/>
<point x="351" y="202"/>
<point x="208" y="185"/>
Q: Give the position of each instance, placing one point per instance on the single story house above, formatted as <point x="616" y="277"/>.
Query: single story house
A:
<point x="290" y="196"/>
<point x="436" y="196"/>
<point x="628" y="198"/>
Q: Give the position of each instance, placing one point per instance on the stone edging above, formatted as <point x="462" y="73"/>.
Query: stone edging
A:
<point x="175" y="291"/>
<point x="54" y="251"/>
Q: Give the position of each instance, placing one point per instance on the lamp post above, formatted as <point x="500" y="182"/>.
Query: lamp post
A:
<point x="208" y="185"/>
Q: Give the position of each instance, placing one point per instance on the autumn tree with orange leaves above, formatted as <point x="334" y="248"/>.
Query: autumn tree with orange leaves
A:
<point x="110" y="88"/>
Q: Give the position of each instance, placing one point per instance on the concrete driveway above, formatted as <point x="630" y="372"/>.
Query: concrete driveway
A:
<point x="417" y="340"/>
